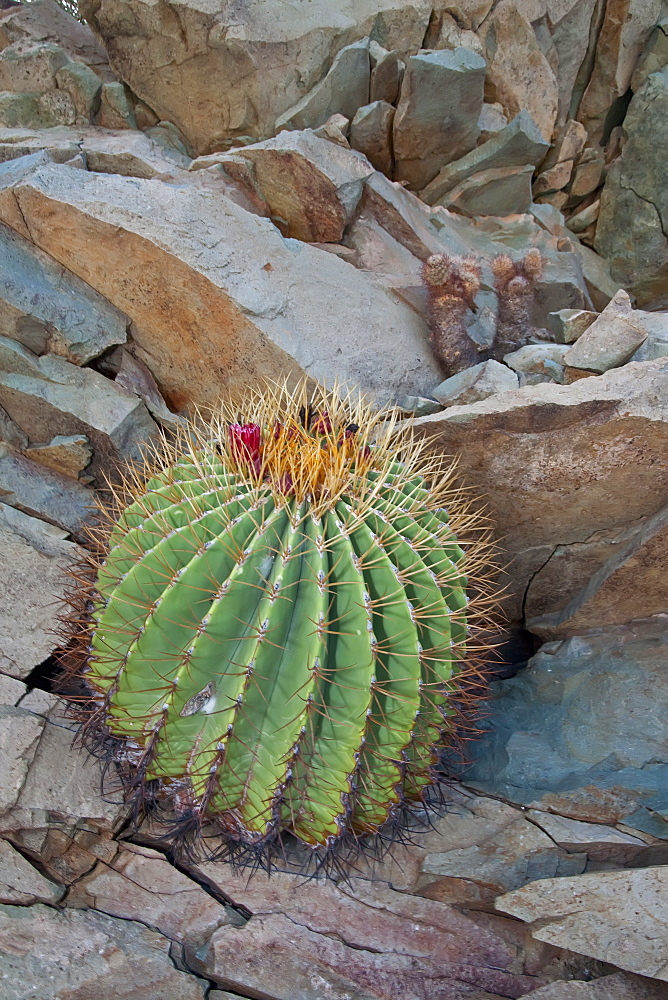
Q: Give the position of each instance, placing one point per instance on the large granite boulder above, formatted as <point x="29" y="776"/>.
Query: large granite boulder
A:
<point x="221" y="71"/>
<point x="632" y="229"/>
<point x="215" y="294"/>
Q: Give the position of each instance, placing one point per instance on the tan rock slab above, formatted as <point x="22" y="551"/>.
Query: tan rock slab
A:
<point x="31" y="68"/>
<point x="620" y="986"/>
<point x="586" y="178"/>
<point x="554" y="178"/>
<point x="83" y="85"/>
<point x="66" y="453"/>
<point x="487" y="849"/>
<point x="627" y="25"/>
<point x="312" y="187"/>
<point x="386" y="74"/>
<point x="615" y="917"/>
<point x="215" y="294"/>
<point x="47" y="21"/>
<point x="559" y="463"/>
<point x="310" y="940"/>
<point x="612" y="596"/>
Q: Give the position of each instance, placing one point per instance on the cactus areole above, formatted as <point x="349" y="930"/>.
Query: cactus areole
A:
<point x="274" y="638"/>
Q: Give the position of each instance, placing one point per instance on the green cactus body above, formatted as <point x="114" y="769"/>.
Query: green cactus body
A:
<point x="274" y="661"/>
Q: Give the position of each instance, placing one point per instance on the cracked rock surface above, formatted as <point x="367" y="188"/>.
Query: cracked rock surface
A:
<point x="186" y="205"/>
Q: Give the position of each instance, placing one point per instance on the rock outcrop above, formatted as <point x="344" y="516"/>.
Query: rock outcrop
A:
<point x="196" y="195"/>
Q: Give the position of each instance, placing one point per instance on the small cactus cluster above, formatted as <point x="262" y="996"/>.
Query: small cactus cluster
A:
<point x="452" y="284"/>
<point x="515" y="284"/>
<point x="273" y="630"/>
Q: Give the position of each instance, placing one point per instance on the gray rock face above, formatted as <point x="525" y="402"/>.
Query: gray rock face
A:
<point x="133" y="154"/>
<point x="115" y="108"/>
<point x="62" y="787"/>
<point x="35" y="110"/>
<point x="633" y="220"/>
<point x="140" y="884"/>
<point x="580" y="731"/>
<point x="569" y="324"/>
<point x="611" y="339"/>
<point x="64" y="399"/>
<point x="615" y="917"/>
<point x="437" y="115"/>
<point x="475" y="383"/>
<point x="625" y="28"/>
<point x="489" y="848"/>
<point x="50" y="310"/>
<point x="497" y="191"/>
<point x="87" y="955"/>
<point x="45" y="494"/>
<point x="517" y="145"/>
<point x="242" y="55"/>
<point x="47" y="21"/>
<point x="21" y="883"/>
<point x="83" y="86"/>
<point x="371" y="134"/>
<point x="540" y="359"/>
<point x="344" y="89"/>
<point x="31" y="550"/>
<point x="19" y="735"/>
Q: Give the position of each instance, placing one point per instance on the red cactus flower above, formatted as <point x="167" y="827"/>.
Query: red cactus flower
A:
<point x="322" y="424"/>
<point x="246" y="444"/>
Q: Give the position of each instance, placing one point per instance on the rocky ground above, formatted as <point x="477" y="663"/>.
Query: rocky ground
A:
<point x="196" y="194"/>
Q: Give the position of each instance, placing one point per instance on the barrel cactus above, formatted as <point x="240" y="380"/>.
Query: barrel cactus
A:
<point x="274" y="638"/>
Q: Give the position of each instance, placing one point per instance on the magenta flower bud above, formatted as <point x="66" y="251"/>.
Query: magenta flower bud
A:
<point x="246" y="444"/>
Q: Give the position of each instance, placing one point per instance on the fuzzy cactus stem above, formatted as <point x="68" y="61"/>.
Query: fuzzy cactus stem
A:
<point x="452" y="284"/>
<point x="515" y="283"/>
